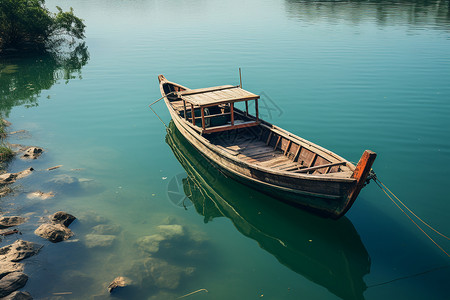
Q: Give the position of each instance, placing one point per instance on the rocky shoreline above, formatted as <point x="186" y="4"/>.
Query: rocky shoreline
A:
<point x="162" y="261"/>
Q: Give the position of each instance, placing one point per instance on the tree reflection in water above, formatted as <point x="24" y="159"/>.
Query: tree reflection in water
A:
<point x="24" y="76"/>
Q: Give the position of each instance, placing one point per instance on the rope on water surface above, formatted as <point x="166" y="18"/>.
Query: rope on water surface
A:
<point x="378" y="182"/>
<point x="429" y="226"/>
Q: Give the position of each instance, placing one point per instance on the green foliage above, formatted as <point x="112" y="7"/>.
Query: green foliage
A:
<point x="5" y="154"/>
<point x="28" y="24"/>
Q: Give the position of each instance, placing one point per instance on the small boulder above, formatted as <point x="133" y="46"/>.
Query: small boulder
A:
<point x="119" y="282"/>
<point x="62" y="218"/>
<point x="18" y="295"/>
<point x="7" y="178"/>
<point x="10" y="221"/>
<point x="40" y="195"/>
<point x="24" y="173"/>
<point x="12" y="282"/>
<point x="32" y="153"/>
<point x="64" y="180"/>
<point x="171" y="231"/>
<point x="9" y="267"/>
<point x="151" y="243"/>
<point x="164" y="275"/>
<point x="99" y="240"/>
<point x="54" y="232"/>
<point x="18" y="250"/>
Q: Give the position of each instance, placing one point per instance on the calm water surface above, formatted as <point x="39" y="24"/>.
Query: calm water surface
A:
<point x="347" y="75"/>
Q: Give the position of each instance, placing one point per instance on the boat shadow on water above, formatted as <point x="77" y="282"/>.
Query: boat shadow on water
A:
<point x="328" y="252"/>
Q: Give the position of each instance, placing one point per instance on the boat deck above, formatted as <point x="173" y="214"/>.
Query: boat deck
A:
<point x="249" y="148"/>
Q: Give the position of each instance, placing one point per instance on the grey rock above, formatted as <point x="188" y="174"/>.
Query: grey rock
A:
<point x="119" y="282"/>
<point x="106" y="229"/>
<point x="151" y="243"/>
<point x="32" y="153"/>
<point x="9" y="267"/>
<point x="99" y="240"/>
<point x="6" y="123"/>
<point x="24" y="173"/>
<point x="18" y="295"/>
<point x="171" y="231"/>
<point x="64" y="180"/>
<point x="18" y="250"/>
<point x="161" y="274"/>
<point x="7" y="178"/>
<point x="54" y="232"/>
<point x="62" y="218"/>
<point x="12" y="282"/>
<point x="10" y="221"/>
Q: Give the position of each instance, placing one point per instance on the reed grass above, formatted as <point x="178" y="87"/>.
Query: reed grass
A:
<point x="5" y="152"/>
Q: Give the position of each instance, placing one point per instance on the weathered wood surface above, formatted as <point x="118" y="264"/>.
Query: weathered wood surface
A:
<point x="270" y="158"/>
<point x="216" y="95"/>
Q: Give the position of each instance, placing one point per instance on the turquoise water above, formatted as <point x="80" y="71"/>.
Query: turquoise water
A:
<point x="347" y="75"/>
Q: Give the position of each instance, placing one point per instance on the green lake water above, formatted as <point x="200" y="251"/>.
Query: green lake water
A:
<point x="348" y="76"/>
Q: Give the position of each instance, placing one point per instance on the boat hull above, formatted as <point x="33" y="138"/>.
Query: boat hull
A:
<point x="325" y="197"/>
<point x="329" y="195"/>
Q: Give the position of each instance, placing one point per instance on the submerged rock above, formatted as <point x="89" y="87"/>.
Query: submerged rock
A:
<point x="5" y="190"/>
<point x="91" y="218"/>
<point x="106" y="229"/>
<point x="54" y="232"/>
<point x="40" y="195"/>
<point x="18" y="295"/>
<point x="99" y="240"/>
<point x="151" y="243"/>
<point x="119" y="282"/>
<point x="18" y="250"/>
<point x="8" y="178"/>
<point x="10" y="221"/>
<point x="32" y="153"/>
<point x="162" y="274"/>
<point x="171" y="231"/>
<point x="12" y="282"/>
<point x="24" y="173"/>
<point x="62" y="218"/>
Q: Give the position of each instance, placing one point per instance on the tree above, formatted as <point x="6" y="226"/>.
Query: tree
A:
<point x="28" y="24"/>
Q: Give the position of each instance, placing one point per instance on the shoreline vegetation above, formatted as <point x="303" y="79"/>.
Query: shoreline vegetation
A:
<point x="6" y="153"/>
<point x="28" y="26"/>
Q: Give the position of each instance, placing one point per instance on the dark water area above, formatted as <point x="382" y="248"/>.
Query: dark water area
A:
<point x="347" y="75"/>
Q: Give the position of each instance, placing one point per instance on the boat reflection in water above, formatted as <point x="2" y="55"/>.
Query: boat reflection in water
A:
<point x="327" y="252"/>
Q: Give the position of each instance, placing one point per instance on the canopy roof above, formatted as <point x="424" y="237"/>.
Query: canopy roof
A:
<point x="216" y="95"/>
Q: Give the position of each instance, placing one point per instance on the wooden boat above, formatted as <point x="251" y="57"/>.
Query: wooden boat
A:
<point x="327" y="252"/>
<point x="261" y="155"/>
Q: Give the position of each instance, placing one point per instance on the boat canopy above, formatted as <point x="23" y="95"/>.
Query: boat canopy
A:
<point x="208" y="102"/>
<point x="216" y="95"/>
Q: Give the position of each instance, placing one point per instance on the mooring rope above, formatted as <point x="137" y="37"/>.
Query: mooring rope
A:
<point x="425" y="223"/>
<point x="150" y="106"/>
<point x="378" y="182"/>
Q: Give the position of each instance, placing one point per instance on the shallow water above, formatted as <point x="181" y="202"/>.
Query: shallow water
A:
<point x="347" y="75"/>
